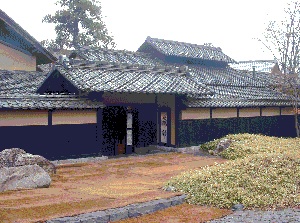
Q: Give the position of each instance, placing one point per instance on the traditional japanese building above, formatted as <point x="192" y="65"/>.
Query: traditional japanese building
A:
<point x="101" y="101"/>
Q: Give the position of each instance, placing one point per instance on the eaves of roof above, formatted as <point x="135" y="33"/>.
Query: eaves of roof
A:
<point x="36" y="101"/>
<point x="230" y="103"/>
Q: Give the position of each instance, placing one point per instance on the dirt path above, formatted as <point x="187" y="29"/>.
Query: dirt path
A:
<point x="87" y="187"/>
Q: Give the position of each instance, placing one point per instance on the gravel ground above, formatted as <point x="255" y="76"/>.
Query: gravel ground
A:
<point x="290" y="215"/>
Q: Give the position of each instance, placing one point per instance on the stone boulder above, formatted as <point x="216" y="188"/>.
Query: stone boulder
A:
<point x="8" y="156"/>
<point x="18" y="157"/>
<point x="29" y="159"/>
<point x="222" y="145"/>
<point x="237" y="207"/>
<point x="23" y="177"/>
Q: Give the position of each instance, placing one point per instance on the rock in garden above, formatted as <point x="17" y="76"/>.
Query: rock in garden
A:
<point x="29" y="159"/>
<point x="222" y="145"/>
<point x="18" y="157"/>
<point x="237" y="207"/>
<point x="8" y="156"/>
<point x="170" y="188"/>
<point x="23" y="177"/>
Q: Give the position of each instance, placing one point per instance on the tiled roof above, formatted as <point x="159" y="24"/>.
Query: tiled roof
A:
<point x="45" y="67"/>
<point x="181" y="49"/>
<point x="17" y="91"/>
<point x="116" y="56"/>
<point x="224" y="76"/>
<point x="235" y="88"/>
<point x="138" y="79"/>
<point x="20" y="82"/>
<point x="36" y="101"/>
<point x="236" y="103"/>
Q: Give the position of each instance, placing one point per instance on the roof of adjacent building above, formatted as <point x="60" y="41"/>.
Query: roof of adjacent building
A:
<point x="181" y="49"/>
<point x="13" y="35"/>
<point x="18" y="91"/>
<point x="259" y="65"/>
<point x="134" y="79"/>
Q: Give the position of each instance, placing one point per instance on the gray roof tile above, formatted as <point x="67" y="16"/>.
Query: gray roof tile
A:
<point x="35" y="101"/>
<point x="181" y="49"/>
<point x="117" y="56"/>
<point x="132" y="80"/>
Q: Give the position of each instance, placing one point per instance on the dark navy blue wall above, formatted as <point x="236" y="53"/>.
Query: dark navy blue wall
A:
<point x="196" y="132"/>
<point x="52" y="142"/>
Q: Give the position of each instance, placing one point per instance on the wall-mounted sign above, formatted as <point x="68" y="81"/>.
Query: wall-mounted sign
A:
<point x="164" y="127"/>
<point x="129" y="129"/>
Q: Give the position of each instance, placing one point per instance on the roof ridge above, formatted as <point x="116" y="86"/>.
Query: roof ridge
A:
<point x="185" y="43"/>
<point x="112" y="50"/>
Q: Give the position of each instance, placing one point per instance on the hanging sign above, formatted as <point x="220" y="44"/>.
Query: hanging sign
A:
<point x="164" y="127"/>
<point x="129" y="137"/>
<point x="129" y="120"/>
<point x="129" y="129"/>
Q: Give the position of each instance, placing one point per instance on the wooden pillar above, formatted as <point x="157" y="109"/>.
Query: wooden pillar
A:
<point x="178" y="108"/>
<point x="99" y="131"/>
<point x="50" y="117"/>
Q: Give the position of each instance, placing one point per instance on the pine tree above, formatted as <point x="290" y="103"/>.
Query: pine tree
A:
<point x="78" y="23"/>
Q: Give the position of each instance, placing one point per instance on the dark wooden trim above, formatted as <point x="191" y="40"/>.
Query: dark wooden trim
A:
<point x="99" y="130"/>
<point x="260" y="111"/>
<point x="237" y="112"/>
<point x="279" y="110"/>
<point x="178" y="109"/>
<point x="50" y="117"/>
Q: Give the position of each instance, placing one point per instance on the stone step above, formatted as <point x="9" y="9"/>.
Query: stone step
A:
<point x="129" y="211"/>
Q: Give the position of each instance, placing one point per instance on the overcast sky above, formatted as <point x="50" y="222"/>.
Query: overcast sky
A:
<point x="230" y="24"/>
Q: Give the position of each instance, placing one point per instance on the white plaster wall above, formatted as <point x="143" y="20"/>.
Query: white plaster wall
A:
<point x="270" y="111"/>
<point x="224" y="113"/>
<point x="60" y="117"/>
<point x="195" y="113"/>
<point x="249" y="112"/>
<point x="23" y="117"/>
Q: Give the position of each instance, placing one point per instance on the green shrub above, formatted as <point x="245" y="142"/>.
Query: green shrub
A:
<point x="258" y="181"/>
<point x="247" y="144"/>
